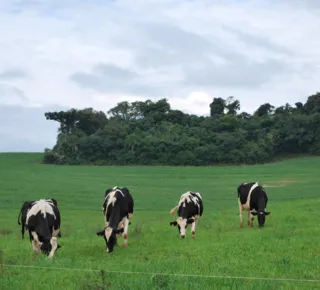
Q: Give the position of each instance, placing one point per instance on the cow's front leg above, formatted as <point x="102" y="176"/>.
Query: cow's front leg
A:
<point x="193" y="229"/>
<point x="35" y="247"/>
<point x="56" y="232"/>
<point x="35" y="242"/>
<point x="54" y="246"/>
<point x="125" y="232"/>
<point x="116" y="240"/>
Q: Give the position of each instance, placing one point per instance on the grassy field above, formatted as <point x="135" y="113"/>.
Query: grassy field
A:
<point x="288" y="246"/>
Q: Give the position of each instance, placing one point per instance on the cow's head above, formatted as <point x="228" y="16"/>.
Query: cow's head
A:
<point x="182" y="224"/>
<point x="110" y="236"/>
<point x="261" y="217"/>
<point x="47" y="245"/>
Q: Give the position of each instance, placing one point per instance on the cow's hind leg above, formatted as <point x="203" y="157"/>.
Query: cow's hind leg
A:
<point x="125" y="232"/>
<point x="250" y="219"/>
<point x="240" y="213"/>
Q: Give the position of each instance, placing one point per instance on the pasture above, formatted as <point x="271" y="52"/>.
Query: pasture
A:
<point x="288" y="246"/>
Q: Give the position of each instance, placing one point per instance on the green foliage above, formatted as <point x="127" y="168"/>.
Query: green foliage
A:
<point x="288" y="246"/>
<point x="151" y="133"/>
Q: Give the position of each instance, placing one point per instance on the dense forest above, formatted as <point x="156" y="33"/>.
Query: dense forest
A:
<point x="151" y="133"/>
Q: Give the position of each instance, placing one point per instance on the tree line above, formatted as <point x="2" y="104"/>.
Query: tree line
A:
<point x="151" y="133"/>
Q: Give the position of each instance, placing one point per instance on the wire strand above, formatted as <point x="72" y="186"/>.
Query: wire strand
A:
<point x="166" y="274"/>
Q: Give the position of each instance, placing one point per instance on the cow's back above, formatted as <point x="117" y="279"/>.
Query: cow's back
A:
<point x="243" y="191"/>
<point x="192" y="207"/>
<point x="199" y="200"/>
<point x="257" y="194"/>
<point x="42" y="217"/>
<point x="129" y="199"/>
<point x="57" y="220"/>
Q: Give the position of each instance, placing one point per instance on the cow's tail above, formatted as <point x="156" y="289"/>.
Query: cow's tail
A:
<point x="23" y="224"/>
<point x="22" y="230"/>
<point x="19" y="217"/>
<point x="173" y="210"/>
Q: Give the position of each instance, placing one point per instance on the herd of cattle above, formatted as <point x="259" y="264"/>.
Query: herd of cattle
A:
<point x="42" y="218"/>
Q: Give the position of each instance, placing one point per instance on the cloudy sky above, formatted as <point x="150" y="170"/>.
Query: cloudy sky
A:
<point x="57" y="54"/>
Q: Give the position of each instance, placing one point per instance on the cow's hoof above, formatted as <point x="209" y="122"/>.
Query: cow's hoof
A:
<point x="193" y="237"/>
<point x="126" y="244"/>
<point x="50" y="256"/>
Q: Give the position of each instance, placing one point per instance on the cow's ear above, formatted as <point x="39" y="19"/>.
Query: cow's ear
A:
<point x="267" y="212"/>
<point x="173" y="223"/>
<point x="190" y="221"/>
<point x="254" y="212"/>
<point x="101" y="233"/>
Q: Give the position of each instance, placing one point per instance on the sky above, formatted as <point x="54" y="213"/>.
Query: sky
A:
<point x="59" y="54"/>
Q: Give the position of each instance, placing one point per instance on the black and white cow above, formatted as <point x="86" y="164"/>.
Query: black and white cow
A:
<point x="104" y="203"/>
<point x="118" y="210"/>
<point x="43" y="223"/>
<point x="190" y="209"/>
<point x="252" y="198"/>
<point x="22" y="217"/>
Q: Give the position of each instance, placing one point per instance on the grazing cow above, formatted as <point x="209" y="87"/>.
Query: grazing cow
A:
<point x="23" y="216"/>
<point x="118" y="210"/>
<point x="104" y="204"/>
<point x="43" y="223"/>
<point x="190" y="209"/>
<point x="252" y="198"/>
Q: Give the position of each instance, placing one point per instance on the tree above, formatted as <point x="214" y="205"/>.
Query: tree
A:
<point x="264" y="110"/>
<point x="150" y="132"/>
<point x="284" y="110"/>
<point x="232" y="106"/>
<point x="313" y="104"/>
<point x="217" y="107"/>
<point x="122" y="110"/>
<point x="66" y="120"/>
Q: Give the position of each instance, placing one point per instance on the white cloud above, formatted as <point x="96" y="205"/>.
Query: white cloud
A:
<point x="79" y="54"/>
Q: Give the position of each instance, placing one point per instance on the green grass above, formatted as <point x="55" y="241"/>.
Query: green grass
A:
<point x="288" y="246"/>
